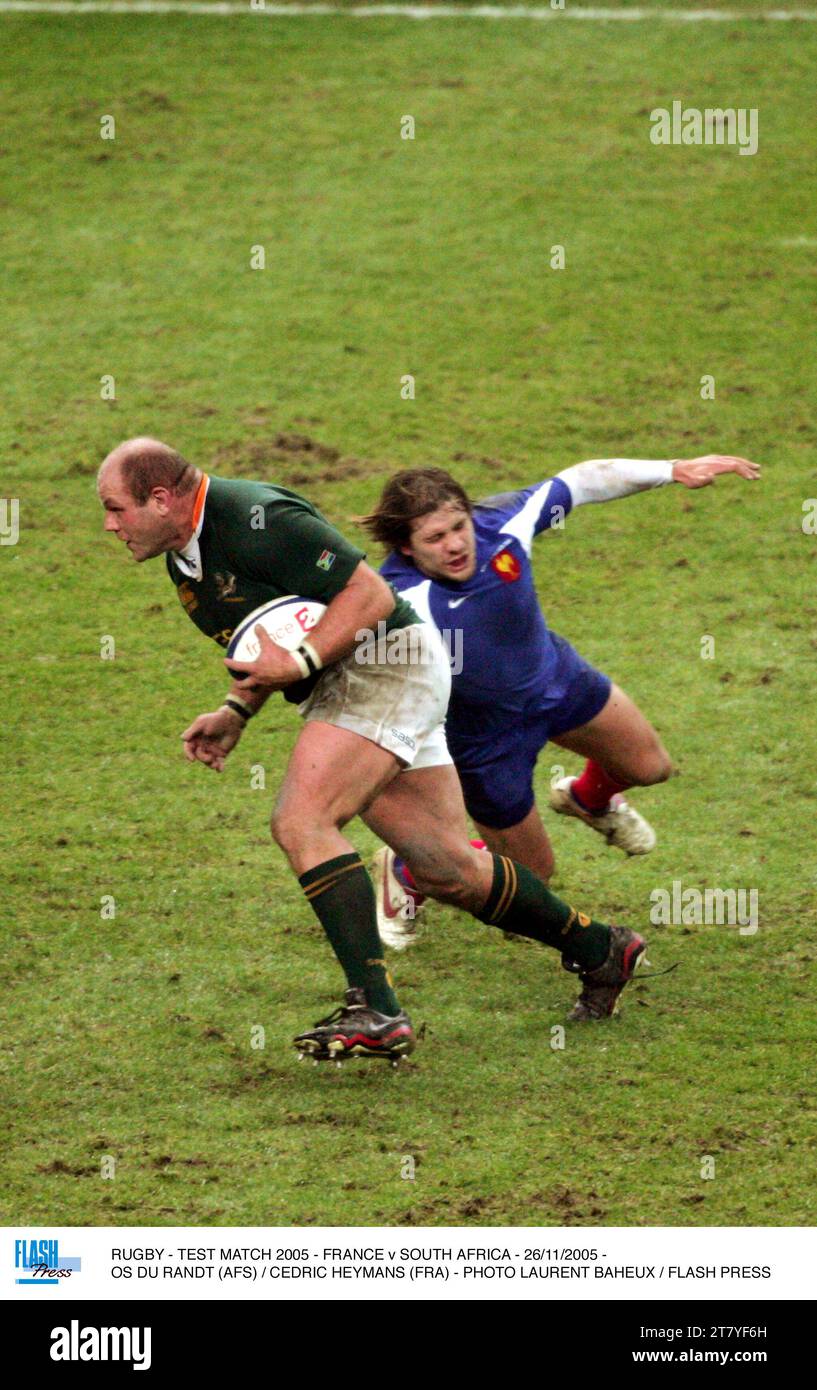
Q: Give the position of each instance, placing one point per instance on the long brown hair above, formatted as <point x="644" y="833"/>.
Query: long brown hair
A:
<point x="406" y="497"/>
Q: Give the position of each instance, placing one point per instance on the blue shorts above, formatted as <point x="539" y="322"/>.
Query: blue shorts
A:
<point x="497" y="776"/>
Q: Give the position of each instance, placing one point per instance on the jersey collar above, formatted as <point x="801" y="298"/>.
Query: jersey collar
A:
<point x="188" y="558"/>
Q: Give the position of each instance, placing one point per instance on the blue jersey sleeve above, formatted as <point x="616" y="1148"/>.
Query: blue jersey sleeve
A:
<point x="531" y="510"/>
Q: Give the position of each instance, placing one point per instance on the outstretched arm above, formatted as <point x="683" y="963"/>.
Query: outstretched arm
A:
<point x="604" y="480"/>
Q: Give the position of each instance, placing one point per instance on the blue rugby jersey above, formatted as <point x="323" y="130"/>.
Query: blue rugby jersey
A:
<point x="512" y="664"/>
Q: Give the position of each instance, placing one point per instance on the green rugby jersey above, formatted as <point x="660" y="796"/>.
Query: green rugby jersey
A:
<point x="254" y="542"/>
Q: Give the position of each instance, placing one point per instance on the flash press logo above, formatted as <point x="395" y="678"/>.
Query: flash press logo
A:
<point x="75" y="1343"/>
<point x="40" y="1262"/>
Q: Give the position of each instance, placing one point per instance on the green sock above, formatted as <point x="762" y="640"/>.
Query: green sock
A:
<point x="520" y="902"/>
<point x="340" y="893"/>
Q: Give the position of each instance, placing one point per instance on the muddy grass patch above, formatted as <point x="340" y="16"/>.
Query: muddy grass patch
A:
<point x="296" y="460"/>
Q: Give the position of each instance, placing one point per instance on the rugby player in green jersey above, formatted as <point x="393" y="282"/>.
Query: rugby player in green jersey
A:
<point x="373" y="741"/>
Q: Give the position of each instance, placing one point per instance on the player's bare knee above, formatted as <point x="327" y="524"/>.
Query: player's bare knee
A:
<point x="288" y="828"/>
<point x="665" y="767"/>
<point x="657" y="767"/>
<point x="279" y="826"/>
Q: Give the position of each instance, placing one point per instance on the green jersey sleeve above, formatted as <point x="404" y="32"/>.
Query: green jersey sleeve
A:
<point x="298" y="551"/>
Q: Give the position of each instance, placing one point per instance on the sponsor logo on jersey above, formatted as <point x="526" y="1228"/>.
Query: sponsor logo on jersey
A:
<point x="225" y="586"/>
<point x="188" y="598"/>
<point x="506" y="566"/>
<point x="326" y="559"/>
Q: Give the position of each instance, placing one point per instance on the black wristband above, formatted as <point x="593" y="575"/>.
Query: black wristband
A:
<point x="307" y="653"/>
<point x="237" y="709"/>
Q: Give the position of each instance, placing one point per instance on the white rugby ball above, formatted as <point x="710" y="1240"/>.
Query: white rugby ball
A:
<point x="288" y="621"/>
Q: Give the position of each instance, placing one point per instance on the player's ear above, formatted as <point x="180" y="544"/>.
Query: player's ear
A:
<point x="161" y="497"/>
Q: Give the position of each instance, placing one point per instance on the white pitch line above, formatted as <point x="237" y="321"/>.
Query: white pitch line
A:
<point x="296" y="11"/>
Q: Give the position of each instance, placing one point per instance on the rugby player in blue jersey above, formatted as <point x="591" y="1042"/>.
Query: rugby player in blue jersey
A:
<point x="467" y="567"/>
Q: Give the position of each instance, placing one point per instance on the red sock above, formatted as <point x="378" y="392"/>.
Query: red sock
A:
<point x="595" y="789"/>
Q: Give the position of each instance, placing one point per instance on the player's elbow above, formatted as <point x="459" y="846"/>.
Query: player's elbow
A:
<point x="376" y="597"/>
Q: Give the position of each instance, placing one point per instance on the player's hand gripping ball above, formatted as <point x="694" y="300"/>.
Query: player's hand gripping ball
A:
<point x="286" y="622"/>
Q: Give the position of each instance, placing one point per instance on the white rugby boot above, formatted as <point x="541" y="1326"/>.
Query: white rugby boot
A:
<point x="621" y="825"/>
<point x="397" y="908"/>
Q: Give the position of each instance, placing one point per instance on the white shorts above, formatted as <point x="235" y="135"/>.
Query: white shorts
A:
<point x="393" y="690"/>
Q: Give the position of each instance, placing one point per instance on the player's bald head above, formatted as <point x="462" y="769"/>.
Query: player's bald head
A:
<point x="141" y="464"/>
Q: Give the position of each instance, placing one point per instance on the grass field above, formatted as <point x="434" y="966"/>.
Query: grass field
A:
<point x="131" y="1037"/>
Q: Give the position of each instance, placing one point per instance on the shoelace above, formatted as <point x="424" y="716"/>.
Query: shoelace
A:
<point x="576" y="969"/>
<point x="337" y="1015"/>
<point x="653" y="974"/>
